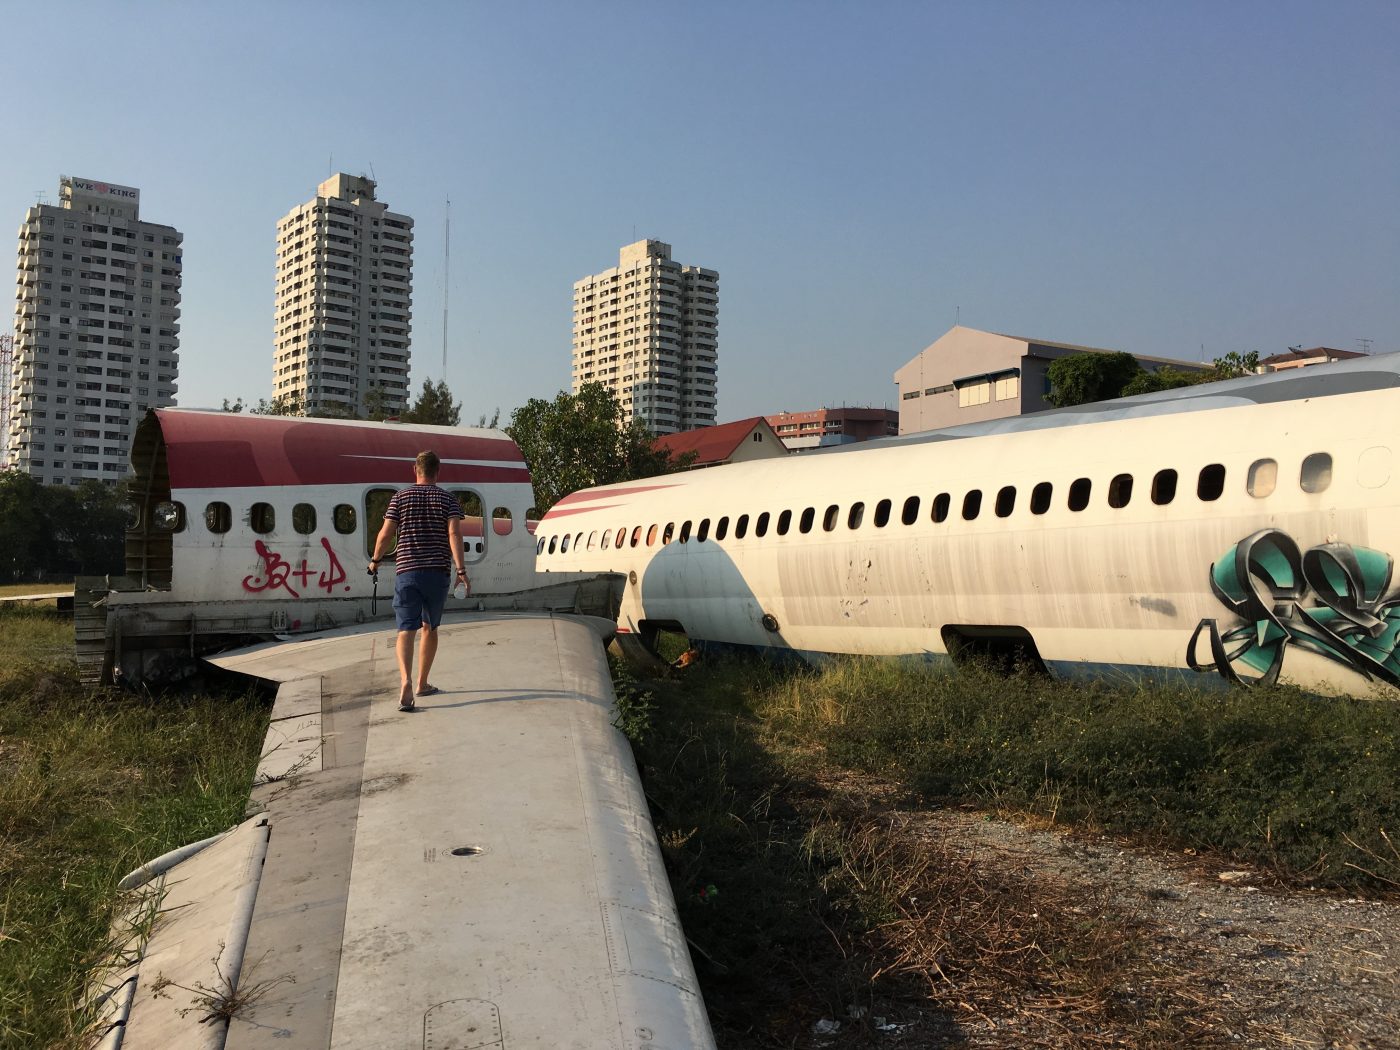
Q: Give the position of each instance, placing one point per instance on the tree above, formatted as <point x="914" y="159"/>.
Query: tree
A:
<point x="1233" y="366"/>
<point x="1165" y="378"/>
<point x="1081" y="378"/>
<point x="584" y="439"/>
<point x="434" y="406"/>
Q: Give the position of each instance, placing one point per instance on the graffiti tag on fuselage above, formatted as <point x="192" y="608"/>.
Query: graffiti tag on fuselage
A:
<point x="277" y="574"/>
<point x="1265" y="580"/>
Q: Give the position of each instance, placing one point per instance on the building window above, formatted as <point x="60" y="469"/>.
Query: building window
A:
<point x="973" y="394"/>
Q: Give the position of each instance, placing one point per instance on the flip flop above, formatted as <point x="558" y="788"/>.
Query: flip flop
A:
<point x="406" y="699"/>
<point x="429" y="690"/>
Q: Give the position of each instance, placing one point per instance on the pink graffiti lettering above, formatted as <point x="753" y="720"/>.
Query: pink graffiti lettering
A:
<point x="273" y="575"/>
<point x="276" y="572"/>
<point x="335" y="573"/>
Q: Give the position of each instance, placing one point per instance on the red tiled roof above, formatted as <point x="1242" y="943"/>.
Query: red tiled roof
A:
<point x="710" y="444"/>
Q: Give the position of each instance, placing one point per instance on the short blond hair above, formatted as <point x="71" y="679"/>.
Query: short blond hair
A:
<point x="427" y="464"/>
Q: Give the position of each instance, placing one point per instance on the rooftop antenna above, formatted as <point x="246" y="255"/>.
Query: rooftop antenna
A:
<point x="957" y="316"/>
<point x="1365" y="345"/>
<point x="330" y="165"/>
<point x="446" y="280"/>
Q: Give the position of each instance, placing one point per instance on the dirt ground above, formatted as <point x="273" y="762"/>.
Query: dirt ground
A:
<point x="1244" y="962"/>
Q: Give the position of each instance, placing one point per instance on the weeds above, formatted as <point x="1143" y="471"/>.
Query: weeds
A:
<point x="94" y="782"/>
<point x="802" y="903"/>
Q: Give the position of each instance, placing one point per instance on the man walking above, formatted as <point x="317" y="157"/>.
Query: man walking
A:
<point x="428" y="524"/>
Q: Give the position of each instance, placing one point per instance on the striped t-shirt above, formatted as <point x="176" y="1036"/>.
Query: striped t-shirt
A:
<point x="421" y="512"/>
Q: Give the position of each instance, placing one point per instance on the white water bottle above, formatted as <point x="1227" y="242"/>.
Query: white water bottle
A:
<point x="460" y="591"/>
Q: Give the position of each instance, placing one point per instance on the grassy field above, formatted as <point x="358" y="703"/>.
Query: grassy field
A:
<point x="796" y="901"/>
<point x="10" y="590"/>
<point x="93" y="782"/>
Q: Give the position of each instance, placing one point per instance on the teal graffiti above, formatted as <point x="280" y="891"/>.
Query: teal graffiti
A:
<point x="1351" y="616"/>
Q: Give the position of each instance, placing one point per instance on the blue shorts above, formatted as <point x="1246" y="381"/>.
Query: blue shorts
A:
<point x="419" y="596"/>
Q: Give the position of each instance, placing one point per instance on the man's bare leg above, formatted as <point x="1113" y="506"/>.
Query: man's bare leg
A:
<point x="425" y="663"/>
<point x="404" y="649"/>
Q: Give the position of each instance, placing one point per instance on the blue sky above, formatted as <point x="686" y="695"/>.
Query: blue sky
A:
<point x="1181" y="180"/>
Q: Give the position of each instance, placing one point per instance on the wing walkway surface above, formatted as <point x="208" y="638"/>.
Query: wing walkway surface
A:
<point x="479" y="873"/>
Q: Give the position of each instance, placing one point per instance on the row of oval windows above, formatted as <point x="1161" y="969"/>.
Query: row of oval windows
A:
<point x="169" y="516"/>
<point x="1314" y="476"/>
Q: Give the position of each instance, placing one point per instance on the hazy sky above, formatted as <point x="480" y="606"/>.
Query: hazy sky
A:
<point x="1178" y="179"/>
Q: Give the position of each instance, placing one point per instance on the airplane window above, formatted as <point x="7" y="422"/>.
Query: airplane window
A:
<point x="502" y="522"/>
<point x="304" y="518"/>
<point x="564" y="545"/>
<point x="1040" y="497"/>
<point x="1317" y="472"/>
<point x="760" y="527"/>
<point x="741" y="527"/>
<point x="941" y="503"/>
<point x="703" y="533"/>
<point x="262" y="519"/>
<point x="972" y="504"/>
<point x="651" y="536"/>
<point x="668" y="533"/>
<point x="578" y="541"/>
<point x="833" y="515"/>
<point x="622" y="538"/>
<point x="1079" y="494"/>
<point x="882" y="514"/>
<point x="636" y="535"/>
<point x="1164" y="487"/>
<point x="804" y="524"/>
<point x="722" y="529"/>
<point x="1006" y="501"/>
<point x="784" y="522"/>
<point x="1263" y="477"/>
<point x="685" y="532"/>
<point x="911" y="510"/>
<point x="592" y="538"/>
<point x="855" y="516"/>
<point x="376" y="503"/>
<point x="344" y="518"/>
<point x="553" y="540"/>
<point x="169" y="516"/>
<point x="1211" y="483"/>
<point x="607" y="536"/>
<point x="1120" y="491"/>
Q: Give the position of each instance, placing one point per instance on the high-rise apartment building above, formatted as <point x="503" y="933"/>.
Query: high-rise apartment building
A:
<point x="344" y="302"/>
<point x="649" y="331"/>
<point x="97" y="332"/>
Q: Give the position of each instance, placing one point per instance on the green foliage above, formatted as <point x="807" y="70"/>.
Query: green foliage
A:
<point x="1082" y="378"/>
<point x="49" y="531"/>
<point x="434" y="406"/>
<point x="584" y="439"/>
<point x="1233" y="366"/>
<point x="1166" y="378"/>
<point x="635" y="705"/>
<point x="94" y="783"/>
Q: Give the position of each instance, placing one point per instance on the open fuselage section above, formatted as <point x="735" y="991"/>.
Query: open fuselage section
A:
<point x="1240" y="530"/>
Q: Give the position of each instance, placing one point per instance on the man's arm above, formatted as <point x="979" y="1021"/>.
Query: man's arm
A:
<point x="383" y="542"/>
<point x="454" y="542"/>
